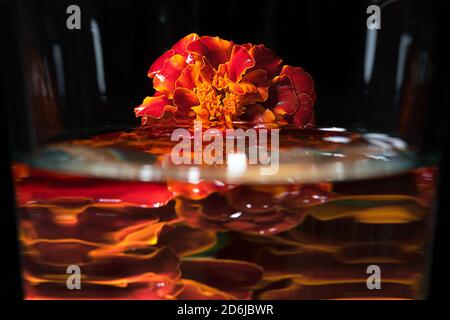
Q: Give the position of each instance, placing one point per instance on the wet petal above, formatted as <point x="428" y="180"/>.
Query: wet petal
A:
<point x="43" y="185"/>
<point x="198" y="190"/>
<point x="282" y="97"/>
<point x="350" y="290"/>
<point x="252" y="216"/>
<point x="91" y="222"/>
<point x="159" y="63"/>
<point x="252" y="201"/>
<point x="226" y="275"/>
<point x="216" y="50"/>
<point x="260" y="116"/>
<point x="184" y="99"/>
<point x="181" y="46"/>
<point x="259" y="79"/>
<point x="304" y="115"/>
<point x="207" y="71"/>
<point x="188" y="78"/>
<point x="146" y="287"/>
<point x="267" y="60"/>
<point x="240" y="61"/>
<point x="162" y="262"/>
<point x="301" y="80"/>
<point x="164" y="80"/>
<point x="193" y="290"/>
<point x="191" y="213"/>
<point x="154" y="107"/>
<point x="185" y="240"/>
<point x="242" y="88"/>
<point x="301" y="267"/>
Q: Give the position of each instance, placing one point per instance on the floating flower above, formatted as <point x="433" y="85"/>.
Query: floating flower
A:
<point x="218" y="82"/>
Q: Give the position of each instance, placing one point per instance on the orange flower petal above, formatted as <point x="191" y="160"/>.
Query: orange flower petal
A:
<point x="267" y="60"/>
<point x="154" y="107"/>
<point x="258" y="115"/>
<point x="242" y="88"/>
<point x="240" y="61"/>
<point x="184" y="99"/>
<point x="216" y="50"/>
<point x="164" y="80"/>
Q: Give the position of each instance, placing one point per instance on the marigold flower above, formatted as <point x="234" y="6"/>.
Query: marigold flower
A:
<point x="218" y="82"/>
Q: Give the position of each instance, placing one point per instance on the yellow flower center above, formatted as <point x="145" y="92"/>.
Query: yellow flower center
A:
<point x="217" y="102"/>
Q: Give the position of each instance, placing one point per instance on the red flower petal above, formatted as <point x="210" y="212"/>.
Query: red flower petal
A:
<point x="165" y="79"/>
<point x="240" y="61"/>
<point x="256" y="113"/>
<point x="225" y="275"/>
<point x="159" y="63"/>
<point x="193" y="290"/>
<point x="282" y="97"/>
<point x="259" y="79"/>
<point x="196" y="191"/>
<point x="207" y="71"/>
<point x="93" y="220"/>
<point x="42" y="185"/>
<point x="181" y="46"/>
<point x="267" y="60"/>
<point x="163" y="262"/>
<point x="188" y="77"/>
<point x="184" y="99"/>
<point x="216" y="50"/>
<point x="154" y="107"/>
<point x="178" y="48"/>
<point x="301" y="80"/>
<point x="185" y="240"/>
<point x="304" y="114"/>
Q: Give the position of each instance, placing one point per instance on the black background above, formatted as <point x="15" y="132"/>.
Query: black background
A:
<point x="325" y="37"/>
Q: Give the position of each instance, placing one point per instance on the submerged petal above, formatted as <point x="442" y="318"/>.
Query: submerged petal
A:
<point x="226" y="275"/>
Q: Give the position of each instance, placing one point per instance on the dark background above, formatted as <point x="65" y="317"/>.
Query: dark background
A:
<point x="325" y="37"/>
